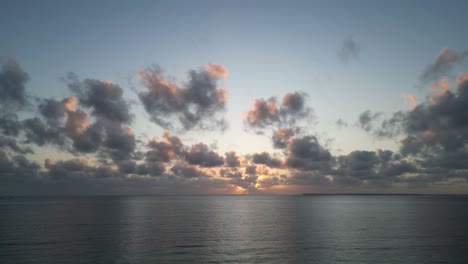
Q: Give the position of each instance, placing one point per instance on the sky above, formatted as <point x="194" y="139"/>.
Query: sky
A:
<point x="233" y="97"/>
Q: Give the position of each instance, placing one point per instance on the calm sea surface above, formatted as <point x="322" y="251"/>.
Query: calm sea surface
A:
<point x="235" y="229"/>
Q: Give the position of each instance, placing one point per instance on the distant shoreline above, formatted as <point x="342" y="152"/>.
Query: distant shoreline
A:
<point x="182" y="195"/>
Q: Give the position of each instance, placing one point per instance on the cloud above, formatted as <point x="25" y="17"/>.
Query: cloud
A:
<point x="381" y="167"/>
<point x="309" y="178"/>
<point x="265" y="159"/>
<point x="445" y="61"/>
<point x="216" y="70"/>
<point x="246" y="180"/>
<point x="187" y="171"/>
<point x="231" y="159"/>
<point x="341" y="123"/>
<point x="437" y="89"/>
<point x="10" y="125"/>
<point x="12" y="84"/>
<point x="164" y="150"/>
<point x="197" y="104"/>
<point x="349" y="50"/>
<point x="366" y="120"/>
<point x="199" y="154"/>
<point x="120" y="142"/>
<point x="13" y="145"/>
<point x="270" y="112"/>
<point x="16" y="168"/>
<point x="409" y="100"/>
<point x="434" y="134"/>
<point x="281" y="137"/>
<point x="305" y="153"/>
<point x="103" y="97"/>
<point x="40" y="133"/>
<point x="461" y="78"/>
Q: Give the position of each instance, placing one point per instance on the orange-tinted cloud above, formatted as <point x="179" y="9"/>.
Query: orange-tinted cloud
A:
<point x="438" y="89"/>
<point x="409" y="100"/>
<point x="216" y="70"/>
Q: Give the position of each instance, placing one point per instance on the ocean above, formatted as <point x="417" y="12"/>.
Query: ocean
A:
<point x="235" y="229"/>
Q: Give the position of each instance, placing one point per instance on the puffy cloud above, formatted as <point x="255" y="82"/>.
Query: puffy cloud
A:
<point x="151" y="168"/>
<point x="366" y="120"/>
<point x="199" y="154"/>
<point x="9" y="124"/>
<point x="40" y="133"/>
<point x="289" y="111"/>
<point x="251" y="169"/>
<point x="197" y="104"/>
<point x="305" y="153"/>
<point x="434" y="134"/>
<point x="120" y="142"/>
<point x="269" y="182"/>
<point x="12" y="83"/>
<point x="461" y="78"/>
<point x="409" y="100"/>
<point x="231" y="159"/>
<point x="16" y="169"/>
<point x="309" y="178"/>
<point x="445" y="61"/>
<point x="187" y="171"/>
<point x="281" y="137"/>
<point x="264" y="113"/>
<point x="266" y="159"/>
<point x="381" y="167"/>
<point x="164" y="150"/>
<point x="216" y="70"/>
<point x="90" y="140"/>
<point x="246" y="181"/>
<point x="103" y="97"/>
<point x="13" y="145"/>
<point x="438" y="89"/>
<point x="52" y="109"/>
<point x="349" y="50"/>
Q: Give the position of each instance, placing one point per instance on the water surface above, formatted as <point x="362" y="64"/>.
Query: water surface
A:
<point x="235" y="229"/>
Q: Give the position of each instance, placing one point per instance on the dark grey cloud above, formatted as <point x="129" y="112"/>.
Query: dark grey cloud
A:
<point x="270" y="112"/>
<point x="265" y="159"/>
<point x="151" y="169"/>
<point x="251" y="169"/>
<point x="436" y="132"/>
<point x="434" y="136"/>
<point x="372" y="167"/>
<point x="16" y="168"/>
<point x="445" y="61"/>
<point x="12" y="84"/>
<point x="305" y="153"/>
<point x="309" y="178"/>
<point x="281" y="137"/>
<point x="52" y="109"/>
<point x="164" y="150"/>
<point x="10" y="125"/>
<point x="199" y="103"/>
<point x="269" y="182"/>
<point x="247" y="180"/>
<point x="120" y="142"/>
<point x="231" y="159"/>
<point x="200" y="154"/>
<point x="349" y="50"/>
<point x="103" y="97"/>
<point x="367" y="119"/>
<point x="13" y="145"/>
<point x="36" y="131"/>
<point x="90" y="139"/>
<point x="187" y="171"/>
